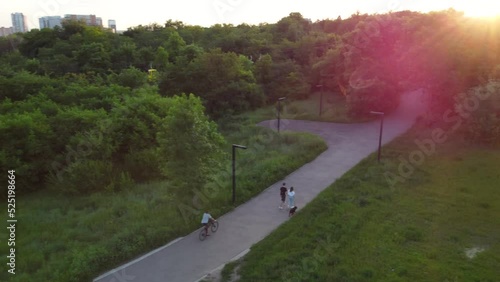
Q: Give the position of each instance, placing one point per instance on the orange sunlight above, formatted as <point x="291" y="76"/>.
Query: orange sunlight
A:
<point x="473" y="9"/>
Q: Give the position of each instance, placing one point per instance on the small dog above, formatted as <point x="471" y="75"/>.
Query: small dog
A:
<point x="292" y="211"/>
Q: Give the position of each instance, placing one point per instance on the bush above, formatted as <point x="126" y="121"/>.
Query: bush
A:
<point x="22" y="84"/>
<point x="143" y="165"/>
<point x="25" y="139"/>
<point x="481" y="106"/>
<point x="87" y="176"/>
<point x="131" y="77"/>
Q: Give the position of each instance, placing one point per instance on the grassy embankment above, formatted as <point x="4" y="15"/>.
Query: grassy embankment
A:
<point x="75" y="238"/>
<point x="441" y="224"/>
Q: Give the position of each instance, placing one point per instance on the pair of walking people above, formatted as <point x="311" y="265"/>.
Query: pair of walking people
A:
<point x="286" y="192"/>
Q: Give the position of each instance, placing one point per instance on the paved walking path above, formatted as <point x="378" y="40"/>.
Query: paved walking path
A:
<point x="189" y="259"/>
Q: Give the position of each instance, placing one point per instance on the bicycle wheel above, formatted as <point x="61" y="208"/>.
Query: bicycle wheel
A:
<point x="215" y="226"/>
<point x="203" y="234"/>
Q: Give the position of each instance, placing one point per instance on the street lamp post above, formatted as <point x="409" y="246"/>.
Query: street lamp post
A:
<point x="279" y="111"/>
<point x="320" y="99"/>
<point x="381" y="129"/>
<point x="234" y="169"/>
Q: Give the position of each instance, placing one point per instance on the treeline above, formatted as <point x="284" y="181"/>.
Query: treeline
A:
<point x="84" y="109"/>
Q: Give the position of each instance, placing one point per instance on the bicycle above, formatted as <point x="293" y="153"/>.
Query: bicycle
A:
<point x="213" y="225"/>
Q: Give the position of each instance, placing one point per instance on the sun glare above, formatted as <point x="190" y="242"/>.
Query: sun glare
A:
<point x="476" y="10"/>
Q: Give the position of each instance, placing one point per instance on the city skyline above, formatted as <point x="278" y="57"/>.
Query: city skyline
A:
<point x="207" y="13"/>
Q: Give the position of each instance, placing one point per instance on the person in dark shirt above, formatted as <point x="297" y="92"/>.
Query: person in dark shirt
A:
<point x="283" y="191"/>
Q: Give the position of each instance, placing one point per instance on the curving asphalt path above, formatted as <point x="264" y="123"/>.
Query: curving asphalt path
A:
<point x="187" y="259"/>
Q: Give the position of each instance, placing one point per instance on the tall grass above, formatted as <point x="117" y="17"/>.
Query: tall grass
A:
<point x="362" y="229"/>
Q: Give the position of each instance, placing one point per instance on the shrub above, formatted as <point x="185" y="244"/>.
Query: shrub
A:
<point x="481" y="107"/>
<point x="87" y="176"/>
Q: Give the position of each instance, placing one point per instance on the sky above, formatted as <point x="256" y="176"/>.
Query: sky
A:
<point x="209" y="12"/>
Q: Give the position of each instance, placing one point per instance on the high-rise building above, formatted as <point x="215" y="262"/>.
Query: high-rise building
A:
<point x="4" y="31"/>
<point x="87" y="19"/>
<point x="112" y="25"/>
<point x="19" y="22"/>
<point x="50" y="22"/>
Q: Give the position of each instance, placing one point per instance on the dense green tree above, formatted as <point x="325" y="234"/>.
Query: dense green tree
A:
<point x="13" y="62"/>
<point x="161" y="59"/>
<point x="174" y="45"/>
<point x="480" y="107"/>
<point x="153" y="35"/>
<point x="190" y="144"/>
<point x="9" y="43"/>
<point x="25" y="139"/>
<point x="39" y="102"/>
<point x="131" y="77"/>
<point x="328" y="70"/>
<point x="69" y="29"/>
<point x="136" y="122"/>
<point x="280" y="79"/>
<point x="35" y="39"/>
<point x="59" y="59"/>
<point x="292" y="28"/>
<point x="70" y="121"/>
<point x="188" y="54"/>
<point x="78" y="92"/>
<point x="93" y="57"/>
<point x="192" y="34"/>
<point x="20" y="85"/>
<point x="145" y="58"/>
<point x="225" y="81"/>
<point x="123" y="53"/>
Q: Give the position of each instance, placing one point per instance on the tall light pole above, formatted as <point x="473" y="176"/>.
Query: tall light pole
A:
<point x="320" y="99"/>
<point x="234" y="169"/>
<point x="279" y="111"/>
<point x="381" y="129"/>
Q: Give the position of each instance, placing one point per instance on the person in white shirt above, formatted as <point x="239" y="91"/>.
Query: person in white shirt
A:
<point x="291" y="198"/>
<point x="206" y="220"/>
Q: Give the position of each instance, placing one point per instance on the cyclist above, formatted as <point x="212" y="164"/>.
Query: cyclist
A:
<point x="206" y="220"/>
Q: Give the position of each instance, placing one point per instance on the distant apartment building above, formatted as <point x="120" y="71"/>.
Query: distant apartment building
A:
<point x="50" y="22"/>
<point x="90" y="20"/>
<point x="19" y="22"/>
<point x="4" y="31"/>
<point x="112" y="25"/>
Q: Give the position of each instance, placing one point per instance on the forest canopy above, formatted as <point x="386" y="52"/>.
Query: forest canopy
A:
<point x="81" y="102"/>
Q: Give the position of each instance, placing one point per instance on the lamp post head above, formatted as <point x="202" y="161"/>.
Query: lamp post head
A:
<point x="282" y="98"/>
<point x="376" y="113"/>
<point x="239" y="146"/>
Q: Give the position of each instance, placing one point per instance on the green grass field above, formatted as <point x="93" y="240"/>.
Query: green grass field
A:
<point x="76" y="238"/>
<point x="441" y="224"/>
